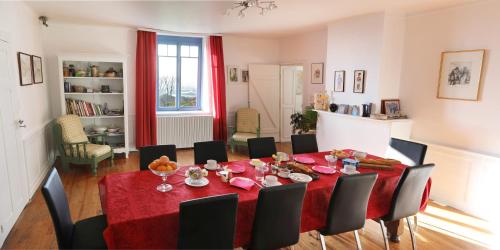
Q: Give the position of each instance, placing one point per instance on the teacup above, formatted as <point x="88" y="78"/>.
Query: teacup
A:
<point x="212" y="164"/>
<point x="271" y="179"/>
<point x="349" y="168"/>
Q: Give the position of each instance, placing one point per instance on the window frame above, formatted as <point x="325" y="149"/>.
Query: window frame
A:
<point x="180" y="41"/>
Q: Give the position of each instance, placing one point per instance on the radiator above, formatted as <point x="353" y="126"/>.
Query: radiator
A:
<point x="183" y="131"/>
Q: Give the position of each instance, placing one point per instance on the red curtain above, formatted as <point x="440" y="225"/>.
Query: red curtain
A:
<point x="218" y="87"/>
<point x="145" y="89"/>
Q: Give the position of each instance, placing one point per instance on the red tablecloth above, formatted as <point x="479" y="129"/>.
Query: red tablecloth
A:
<point x="141" y="217"/>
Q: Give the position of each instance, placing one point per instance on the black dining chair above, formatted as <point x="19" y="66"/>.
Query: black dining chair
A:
<point x="84" y="234"/>
<point x="150" y="153"/>
<point x="304" y="143"/>
<point x="412" y="151"/>
<point x="348" y="205"/>
<point x="209" y="150"/>
<point x="278" y="216"/>
<point x="407" y="198"/>
<point x="208" y="223"/>
<point x="261" y="147"/>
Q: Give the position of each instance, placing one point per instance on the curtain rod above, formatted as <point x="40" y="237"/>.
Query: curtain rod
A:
<point x="178" y="33"/>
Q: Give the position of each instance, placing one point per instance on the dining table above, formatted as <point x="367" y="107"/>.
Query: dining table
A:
<point x="139" y="216"/>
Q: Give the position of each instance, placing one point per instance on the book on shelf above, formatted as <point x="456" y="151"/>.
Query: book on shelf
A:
<point x="83" y="108"/>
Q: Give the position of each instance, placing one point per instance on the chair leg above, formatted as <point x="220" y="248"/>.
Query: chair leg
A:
<point x="112" y="158"/>
<point x="322" y="239"/>
<point x="413" y="240"/>
<point x="384" y="233"/>
<point x="358" y="242"/>
<point x="94" y="168"/>
<point x="65" y="165"/>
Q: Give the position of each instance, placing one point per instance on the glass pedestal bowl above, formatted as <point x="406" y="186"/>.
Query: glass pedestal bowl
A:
<point x="164" y="186"/>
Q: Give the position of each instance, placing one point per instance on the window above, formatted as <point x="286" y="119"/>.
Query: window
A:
<point x="178" y="84"/>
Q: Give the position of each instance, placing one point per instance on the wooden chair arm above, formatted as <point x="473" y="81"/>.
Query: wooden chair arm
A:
<point x="74" y="149"/>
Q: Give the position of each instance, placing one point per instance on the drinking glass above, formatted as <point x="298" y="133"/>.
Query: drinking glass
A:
<point x="332" y="161"/>
<point x="260" y="172"/>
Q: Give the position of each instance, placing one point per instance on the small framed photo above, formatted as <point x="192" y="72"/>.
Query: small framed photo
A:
<point x="36" y="61"/>
<point x="460" y="75"/>
<point x="359" y="81"/>
<point x="390" y="107"/>
<point x="25" y="69"/>
<point x="232" y="74"/>
<point x="244" y="76"/>
<point x="339" y="81"/>
<point x="317" y="73"/>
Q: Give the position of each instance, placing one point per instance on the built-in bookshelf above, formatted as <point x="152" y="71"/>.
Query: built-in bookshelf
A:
<point x="95" y="88"/>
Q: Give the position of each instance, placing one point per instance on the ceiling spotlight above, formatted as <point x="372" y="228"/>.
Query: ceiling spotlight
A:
<point x="242" y="6"/>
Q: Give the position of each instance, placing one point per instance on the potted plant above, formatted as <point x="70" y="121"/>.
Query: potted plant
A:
<point x="304" y="122"/>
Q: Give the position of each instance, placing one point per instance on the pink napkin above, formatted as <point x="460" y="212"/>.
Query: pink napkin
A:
<point x="323" y="169"/>
<point x="237" y="168"/>
<point x="305" y="160"/>
<point x="242" y="182"/>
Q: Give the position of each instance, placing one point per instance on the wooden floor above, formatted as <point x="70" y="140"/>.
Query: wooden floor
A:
<point x="34" y="229"/>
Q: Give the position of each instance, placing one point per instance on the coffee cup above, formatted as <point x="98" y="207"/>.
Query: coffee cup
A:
<point x="211" y="163"/>
<point x="271" y="179"/>
<point x="349" y="168"/>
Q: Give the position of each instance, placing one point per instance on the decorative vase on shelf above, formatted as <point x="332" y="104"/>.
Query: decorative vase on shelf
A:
<point x="333" y="107"/>
<point x="367" y="109"/>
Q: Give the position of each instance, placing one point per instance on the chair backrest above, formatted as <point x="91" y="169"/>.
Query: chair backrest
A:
<point x="209" y="150"/>
<point x="348" y="203"/>
<point x="408" y="194"/>
<point x="71" y="129"/>
<point x="261" y="147"/>
<point x="304" y="143"/>
<point x="208" y="223"/>
<point x="247" y="120"/>
<point x="410" y="153"/>
<point x="53" y="193"/>
<point x="150" y="153"/>
<point x="278" y="216"/>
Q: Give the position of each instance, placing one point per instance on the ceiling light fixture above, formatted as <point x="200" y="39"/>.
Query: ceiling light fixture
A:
<point x="263" y="6"/>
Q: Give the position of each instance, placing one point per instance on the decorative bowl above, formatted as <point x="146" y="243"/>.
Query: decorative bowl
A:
<point x="100" y="129"/>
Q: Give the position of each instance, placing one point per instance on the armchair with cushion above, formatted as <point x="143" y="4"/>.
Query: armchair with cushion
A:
<point x="247" y="127"/>
<point x="74" y="147"/>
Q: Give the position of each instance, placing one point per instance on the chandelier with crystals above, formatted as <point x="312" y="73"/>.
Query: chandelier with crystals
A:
<point x="242" y="6"/>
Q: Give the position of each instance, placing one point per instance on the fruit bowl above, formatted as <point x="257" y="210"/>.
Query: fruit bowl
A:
<point x="163" y="167"/>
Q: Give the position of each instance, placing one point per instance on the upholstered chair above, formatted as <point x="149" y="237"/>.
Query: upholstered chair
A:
<point x="247" y="126"/>
<point x="74" y="147"/>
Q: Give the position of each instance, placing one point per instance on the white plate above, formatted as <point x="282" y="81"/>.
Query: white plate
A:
<point x="298" y="177"/>
<point x="350" y="172"/>
<point x="201" y="183"/>
<point x="209" y="168"/>
<point x="252" y="163"/>
<point x="283" y="175"/>
<point x="277" y="183"/>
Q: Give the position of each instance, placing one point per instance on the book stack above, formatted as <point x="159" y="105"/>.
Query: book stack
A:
<point x="83" y="108"/>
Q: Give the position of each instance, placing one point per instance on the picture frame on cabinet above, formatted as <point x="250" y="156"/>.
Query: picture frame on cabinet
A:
<point x="317" y="73"/>
<point x="25" y="69"/>
<point x="460" y="74"/>
<point x="339" y="81"/>
<point x="359" y="82"/>
<point x="36" y="63"/>
<point x="390" y="107"/>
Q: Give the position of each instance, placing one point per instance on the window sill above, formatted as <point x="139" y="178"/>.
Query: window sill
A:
<point x="182" y="113"/>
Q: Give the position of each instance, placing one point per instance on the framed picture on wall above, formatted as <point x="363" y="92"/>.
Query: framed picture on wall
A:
<point x="317" y="73"/>
<point x="25" y="69"/>
<point x="244" y="75"/>
<point x="339" y="81"/>
<point x="359" y="81"/>
<point x="232" y="74"/>
<point x="36" y="61"/>
<point x="460" y="74"/>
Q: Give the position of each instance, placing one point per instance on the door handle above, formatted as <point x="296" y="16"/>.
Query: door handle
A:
<point x="21" y="124"/>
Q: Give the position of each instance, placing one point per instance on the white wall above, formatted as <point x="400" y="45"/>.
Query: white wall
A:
<point x="472" y="126"/>
<point x="355" y="44"/>
<point x="305" y="49"/>
<point x="61" y="38"/>
<point x="241" y="51"/>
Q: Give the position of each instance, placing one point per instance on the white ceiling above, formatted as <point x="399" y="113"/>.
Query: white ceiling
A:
<point x="292" y="16"/>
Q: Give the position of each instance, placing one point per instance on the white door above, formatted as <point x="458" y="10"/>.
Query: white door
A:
<point x="13" y="180"/>
<point x="264" y="96"/>
<point x="291" y="97"/>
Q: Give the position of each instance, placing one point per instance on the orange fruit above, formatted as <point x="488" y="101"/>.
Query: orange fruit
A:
<point x="172" y="165"/>
<point x="162" y="168"/>
<point x="164" y="157"/>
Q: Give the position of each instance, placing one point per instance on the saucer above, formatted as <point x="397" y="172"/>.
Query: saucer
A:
<point x="277" y="183"/>
<point x="201" y="183"/>
<point x="283" y="175"/>
<point x="211" y="168"/>
<point x="350" y="172"/>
